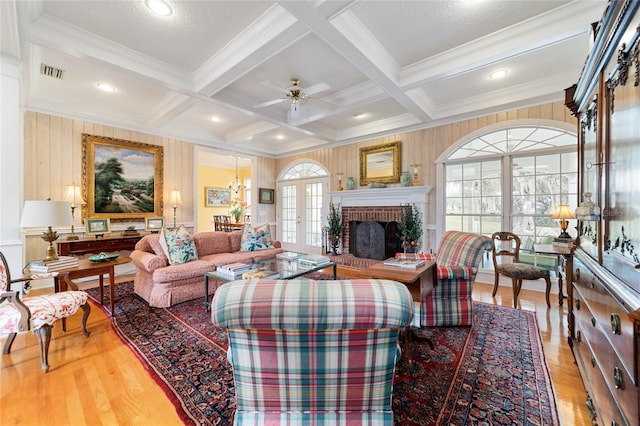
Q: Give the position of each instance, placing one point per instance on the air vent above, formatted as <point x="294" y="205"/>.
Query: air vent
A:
<point x="51" y="71"/>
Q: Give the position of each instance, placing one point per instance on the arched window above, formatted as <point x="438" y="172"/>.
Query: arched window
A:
<point x="509" y="178"/>
<point x="303" y="171"/>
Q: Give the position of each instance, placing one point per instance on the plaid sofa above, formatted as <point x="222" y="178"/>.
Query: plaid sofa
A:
<point x="457" y="260"/>
<point x="313" y="352"/>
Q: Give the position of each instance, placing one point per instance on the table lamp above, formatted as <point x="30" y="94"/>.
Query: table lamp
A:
<point x="175" y="200"/>
<point x="46" y="213"/>
<point x="563" y="212"/>
<point x="74" y="196"/>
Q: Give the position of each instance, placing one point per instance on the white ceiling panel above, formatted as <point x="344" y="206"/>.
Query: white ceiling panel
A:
<point x="399" y="65"/>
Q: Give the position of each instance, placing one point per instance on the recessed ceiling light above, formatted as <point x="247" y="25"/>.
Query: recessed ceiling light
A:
<point x="106" y="87"/>
<point x="159" y="7"/>
<point x="248" y="138"/>
<point x="359" y="115"/>
<point x="215" y="119"/>
<point x="279" y="137"/>
<point x="498" y="74"/>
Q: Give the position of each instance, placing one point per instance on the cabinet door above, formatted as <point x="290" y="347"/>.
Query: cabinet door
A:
<point x="590" y="168"/>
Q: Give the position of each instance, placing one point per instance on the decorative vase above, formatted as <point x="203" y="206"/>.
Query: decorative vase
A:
<point x="236" y="216"/>
<point x="405" y="179"/>
<point x="351" y="184"/>
<point x="335" y="242"/>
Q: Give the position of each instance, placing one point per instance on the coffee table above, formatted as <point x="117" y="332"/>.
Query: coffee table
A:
<point x="420" y="282"/>
<point x="287" y="269"/>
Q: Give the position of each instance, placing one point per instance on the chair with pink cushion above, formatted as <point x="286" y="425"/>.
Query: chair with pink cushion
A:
<point x="37" y="313"/>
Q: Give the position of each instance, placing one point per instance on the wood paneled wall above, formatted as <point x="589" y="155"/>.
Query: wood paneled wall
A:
<point x="423" y="146"/>
<point x="53" y="160"/>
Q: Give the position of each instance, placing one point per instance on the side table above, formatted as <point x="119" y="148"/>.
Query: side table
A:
<point x="87" y="268"/>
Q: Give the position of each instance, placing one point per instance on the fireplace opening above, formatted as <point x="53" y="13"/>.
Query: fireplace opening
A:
<point x="373" y="239"/>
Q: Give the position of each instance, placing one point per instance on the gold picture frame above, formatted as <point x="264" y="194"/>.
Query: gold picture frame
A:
<point x="98" y="226"/>
<point x="380" y="163"/>
<point x="217" y="197"/>
<point x="122" y="180"/>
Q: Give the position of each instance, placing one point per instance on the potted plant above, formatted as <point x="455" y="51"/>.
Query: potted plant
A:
<point x="410" y="228"/>
<point x="334" y="227"/>
<point x="237" y="209"/>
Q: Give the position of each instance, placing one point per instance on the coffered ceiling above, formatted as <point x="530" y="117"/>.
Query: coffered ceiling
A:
<point x="371" y="67"/>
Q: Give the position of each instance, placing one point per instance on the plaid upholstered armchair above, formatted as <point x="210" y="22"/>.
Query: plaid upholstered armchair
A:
<point x="457" y="260"/>
<point x="313" y="352"/>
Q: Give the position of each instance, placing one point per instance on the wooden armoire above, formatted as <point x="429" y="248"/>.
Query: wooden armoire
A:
<point x="604" y="297"/>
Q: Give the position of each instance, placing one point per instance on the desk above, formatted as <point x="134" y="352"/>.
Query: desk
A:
<point x="97" y="245"/>
<point x="564" y="266"/>
<point x="87" y="268"/>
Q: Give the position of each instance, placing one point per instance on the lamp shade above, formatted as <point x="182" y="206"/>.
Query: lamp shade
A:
<point x="43" y="213"/>
<point x="563" y="211"/>
<point x="174" y="198"/>
<point x="74" y="196"/>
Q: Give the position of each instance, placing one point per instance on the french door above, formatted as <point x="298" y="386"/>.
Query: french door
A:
<point x="301" y="211"/>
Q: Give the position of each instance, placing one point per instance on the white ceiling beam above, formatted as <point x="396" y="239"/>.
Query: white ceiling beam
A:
<point x="334" y="34"/>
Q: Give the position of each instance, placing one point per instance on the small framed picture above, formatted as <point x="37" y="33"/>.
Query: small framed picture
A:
<point x="153" y="224"/>
<point x="265" y="196"/>
<point x="217" y="197"/>
<point x="98" y="226"/>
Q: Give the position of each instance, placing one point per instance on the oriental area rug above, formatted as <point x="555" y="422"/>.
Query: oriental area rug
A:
<point x="493" y="373"/>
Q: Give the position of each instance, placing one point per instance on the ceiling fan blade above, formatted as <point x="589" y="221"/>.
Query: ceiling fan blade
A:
<point x="274" y="86"/>
<point x="268" y="103"/>
<point x="316" y="88"/>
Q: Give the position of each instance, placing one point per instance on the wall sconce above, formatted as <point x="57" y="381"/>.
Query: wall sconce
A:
<point x="74" y="196"/>
<point x="40" y="214"/>
<point x="175" y="200"/>
<point x="416" y="174"/>
<point x="563" y="212"/>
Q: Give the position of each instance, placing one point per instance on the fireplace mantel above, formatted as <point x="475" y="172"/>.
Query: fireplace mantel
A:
<point x="385" y="197"/>
<point x="418" y="195"/>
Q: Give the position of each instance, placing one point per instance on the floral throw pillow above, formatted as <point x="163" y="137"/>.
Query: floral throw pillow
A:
<point x="178" y="246"/>
<point x="256" y="238"/>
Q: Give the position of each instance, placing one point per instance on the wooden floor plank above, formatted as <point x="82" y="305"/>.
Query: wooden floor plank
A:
<point x="98" y="380"/>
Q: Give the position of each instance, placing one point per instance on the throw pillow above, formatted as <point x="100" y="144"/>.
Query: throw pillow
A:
<point x="256" y="238"/>
<point x="178" y="246"/>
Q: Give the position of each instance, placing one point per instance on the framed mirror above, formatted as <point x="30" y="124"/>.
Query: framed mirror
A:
<point x="380" y="163"/>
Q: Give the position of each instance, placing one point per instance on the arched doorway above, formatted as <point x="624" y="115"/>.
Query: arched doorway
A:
<point x="302" y="190"/>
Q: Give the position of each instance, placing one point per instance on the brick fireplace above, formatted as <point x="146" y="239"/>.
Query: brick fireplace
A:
<point x="381" y="205"/>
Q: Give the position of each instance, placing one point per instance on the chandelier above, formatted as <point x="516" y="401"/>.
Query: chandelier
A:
<point x="236" y="186"/>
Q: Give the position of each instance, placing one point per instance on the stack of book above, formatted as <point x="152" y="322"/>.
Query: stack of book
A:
<point x="257" y="275"/>
<point x="234" y="271"/>
<point x="62" y="262"/>
<point x="313" y="260"/>
<point x="404" y="263"/>
<point x="288" y="255"/>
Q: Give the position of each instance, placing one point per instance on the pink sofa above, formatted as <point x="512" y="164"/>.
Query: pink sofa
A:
<point x="163" y="285"/>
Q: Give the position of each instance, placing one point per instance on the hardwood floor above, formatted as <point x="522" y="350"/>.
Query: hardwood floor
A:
<point x="98" y="380"/>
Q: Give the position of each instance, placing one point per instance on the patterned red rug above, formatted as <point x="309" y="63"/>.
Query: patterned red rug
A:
<point x="493" y="373"/>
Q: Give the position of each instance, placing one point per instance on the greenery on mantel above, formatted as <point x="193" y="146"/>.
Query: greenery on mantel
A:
<point x="410" y="227"/>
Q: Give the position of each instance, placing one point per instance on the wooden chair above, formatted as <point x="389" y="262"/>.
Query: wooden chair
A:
<point x="37" y="313"/>
<point x="508" y="244"/>
<point x="218" y="222"/>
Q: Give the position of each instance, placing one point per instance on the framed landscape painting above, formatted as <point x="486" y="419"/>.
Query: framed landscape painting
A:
<point x="217" y="197"/>
<point x="153" y="224"/>
<point x="122" y="180"/>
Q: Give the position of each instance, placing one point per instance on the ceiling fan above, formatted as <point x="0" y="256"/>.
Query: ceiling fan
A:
<point x="295" y="93"/>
